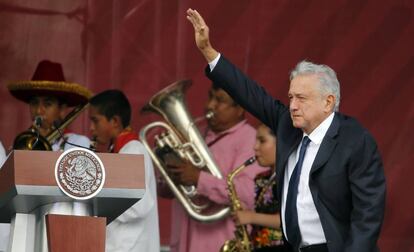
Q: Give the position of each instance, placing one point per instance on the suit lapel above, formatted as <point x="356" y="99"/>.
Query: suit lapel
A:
<point x="327" y="146"/>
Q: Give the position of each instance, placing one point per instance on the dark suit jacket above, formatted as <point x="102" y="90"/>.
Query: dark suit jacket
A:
<point x="346" y="180"/>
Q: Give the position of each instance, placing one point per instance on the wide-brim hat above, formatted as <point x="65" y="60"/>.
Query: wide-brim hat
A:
<point x="48" y="80"/>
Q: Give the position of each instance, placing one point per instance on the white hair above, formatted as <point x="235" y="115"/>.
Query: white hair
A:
<point x="328" y="81"/>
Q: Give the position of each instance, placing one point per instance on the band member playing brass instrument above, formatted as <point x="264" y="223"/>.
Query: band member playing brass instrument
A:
<point x="229" y="138"/>
<point x="49" y="95"/>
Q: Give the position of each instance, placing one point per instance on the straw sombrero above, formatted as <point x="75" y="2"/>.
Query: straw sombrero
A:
<point x="48" y="80"/>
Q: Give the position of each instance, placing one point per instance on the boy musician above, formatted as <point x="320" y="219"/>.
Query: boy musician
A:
<point x="137" y="228"/>
<point x="48" y="96"/>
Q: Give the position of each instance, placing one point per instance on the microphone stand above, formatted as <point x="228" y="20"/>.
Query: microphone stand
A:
<point x="56" y="125"/>
<point x="37" y="124"/>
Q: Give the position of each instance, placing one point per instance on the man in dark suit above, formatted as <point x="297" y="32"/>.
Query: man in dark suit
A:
<point x="330" y="173"/>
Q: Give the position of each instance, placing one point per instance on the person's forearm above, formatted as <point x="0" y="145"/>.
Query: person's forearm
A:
<point x="266" y="220"/>
<point x="209" y="53"/>
<point x="213" y="188"/>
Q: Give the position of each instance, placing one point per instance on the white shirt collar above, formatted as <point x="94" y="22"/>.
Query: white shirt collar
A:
<point x="319" y="133"/>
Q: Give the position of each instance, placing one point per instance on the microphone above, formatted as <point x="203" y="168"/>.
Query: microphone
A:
<point x="56" y="124"/>
<point x="37" y="123"/>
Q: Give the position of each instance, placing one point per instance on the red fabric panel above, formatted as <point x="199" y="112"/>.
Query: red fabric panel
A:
<point x="141" y="46"/>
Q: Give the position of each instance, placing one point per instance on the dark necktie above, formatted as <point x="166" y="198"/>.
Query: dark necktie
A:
<point x="291" y="212"/>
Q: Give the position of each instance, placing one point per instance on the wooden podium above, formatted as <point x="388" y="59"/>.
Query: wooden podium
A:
<point x="28" y="189"/>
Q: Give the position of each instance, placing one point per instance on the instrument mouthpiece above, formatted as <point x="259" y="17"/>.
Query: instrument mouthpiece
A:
<point x="210" y="114"/>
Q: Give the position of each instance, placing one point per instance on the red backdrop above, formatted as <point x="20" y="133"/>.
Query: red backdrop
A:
<point x="141" y="46"/>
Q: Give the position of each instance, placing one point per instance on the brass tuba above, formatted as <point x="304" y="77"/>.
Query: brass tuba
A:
<point x="31" y="140"/>
<point x="183" y="140"/>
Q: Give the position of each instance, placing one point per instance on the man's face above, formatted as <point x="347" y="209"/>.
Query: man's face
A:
<point x="49" y="109"/>
<point x="226" y="113"/>
<point x="308" y="106"/>
<point x="101" y="128"/>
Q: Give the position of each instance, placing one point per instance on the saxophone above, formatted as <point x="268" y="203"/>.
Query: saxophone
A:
<point x="241" y="241"/>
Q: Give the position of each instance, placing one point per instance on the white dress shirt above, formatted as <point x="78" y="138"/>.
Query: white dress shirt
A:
<point x="308" y="217"/>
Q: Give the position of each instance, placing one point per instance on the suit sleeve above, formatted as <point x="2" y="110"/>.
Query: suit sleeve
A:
<point x="246" y="92"/>
<point x="367" y="183"/>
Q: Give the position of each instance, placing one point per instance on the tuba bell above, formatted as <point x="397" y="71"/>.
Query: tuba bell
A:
<point x="182" y="139"/>
<point x="32" y="140"/>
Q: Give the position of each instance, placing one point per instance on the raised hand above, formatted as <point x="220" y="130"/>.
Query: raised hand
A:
<point x="201" y="33"/>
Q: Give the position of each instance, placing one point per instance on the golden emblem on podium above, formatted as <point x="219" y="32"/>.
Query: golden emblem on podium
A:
<point x="79" y="173"/>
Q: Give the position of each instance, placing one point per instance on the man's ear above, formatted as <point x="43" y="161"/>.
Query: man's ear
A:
<point x="330" y="103"/>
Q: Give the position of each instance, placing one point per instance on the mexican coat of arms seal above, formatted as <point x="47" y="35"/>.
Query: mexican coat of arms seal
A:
<point x="79" y="173"/>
